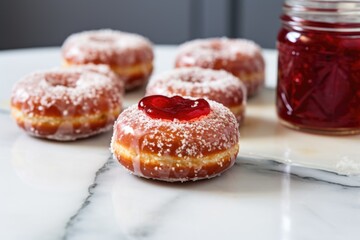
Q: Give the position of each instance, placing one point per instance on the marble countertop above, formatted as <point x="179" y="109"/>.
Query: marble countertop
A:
<point x="76" y="190"/>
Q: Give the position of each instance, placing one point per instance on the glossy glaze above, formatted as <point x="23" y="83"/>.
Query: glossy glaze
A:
<point x="177" y="107"/>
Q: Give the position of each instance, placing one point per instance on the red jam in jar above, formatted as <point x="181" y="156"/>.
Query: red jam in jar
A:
<point x="176" y="107"/>
<point x="319" y="66"/>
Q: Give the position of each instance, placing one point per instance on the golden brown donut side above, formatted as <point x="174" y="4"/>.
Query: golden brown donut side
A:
<point x="172" y="168"/>
<point x="135" y="75"/>
<point x="47" y="126"/>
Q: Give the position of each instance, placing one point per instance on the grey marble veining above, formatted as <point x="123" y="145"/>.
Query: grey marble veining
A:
<point x="71" y="225"/>
<point x="144" y="209"/>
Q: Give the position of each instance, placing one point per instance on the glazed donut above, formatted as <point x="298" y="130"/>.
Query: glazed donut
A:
<point x="129" y="55"/>
<point x="65" y="104"/>
<point x="216" y="85"/>
<point x="240" y="57"/>
<point x="176" y="139"/>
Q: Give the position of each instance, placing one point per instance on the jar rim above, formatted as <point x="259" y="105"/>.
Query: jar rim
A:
<point x="301" y="24"/>
<point x="323" y="15"/>
<point x="326" y="11"/>
<point x="336" y="5"/>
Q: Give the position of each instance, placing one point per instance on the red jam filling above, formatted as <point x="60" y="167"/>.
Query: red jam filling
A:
<point x="319" y="78"/>
<point x="176" y="107"/>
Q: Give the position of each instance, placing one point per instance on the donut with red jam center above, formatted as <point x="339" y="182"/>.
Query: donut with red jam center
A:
<point x="176" y="138"/>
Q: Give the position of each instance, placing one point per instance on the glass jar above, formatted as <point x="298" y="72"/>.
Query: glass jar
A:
<point x="319" y="66"/>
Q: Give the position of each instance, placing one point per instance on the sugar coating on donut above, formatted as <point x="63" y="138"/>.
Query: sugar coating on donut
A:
<point x="107" y="46"/>
<point x="101" y="69"/>
<point x="217" y="85"/>
<point x="214" y="132"/>
<point x="68" y="85"/>
<point x="56" y="97"/>
<point x="207" y="50"/>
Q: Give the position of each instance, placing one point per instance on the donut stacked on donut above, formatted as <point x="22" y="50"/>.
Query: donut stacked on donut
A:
<point x="65" y="104"/>
<point x="216" y="85"/>
<point x="176" y="139"/>
<point x="240" y="57"/>
<point x="129" y="55"/>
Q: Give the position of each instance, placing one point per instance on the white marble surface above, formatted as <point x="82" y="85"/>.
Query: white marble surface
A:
<point x="75" y="190"/>
<point x="264" y="137"/>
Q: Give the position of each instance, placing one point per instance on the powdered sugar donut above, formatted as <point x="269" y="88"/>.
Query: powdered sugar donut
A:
<point x="216" y="85"/>
<point x="179" y="139"/>
<point x="240" y="57"/>
<point x="129" y="55"/>
<point x="65" y="104"/>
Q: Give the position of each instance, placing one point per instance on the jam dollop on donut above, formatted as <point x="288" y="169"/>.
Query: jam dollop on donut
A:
<point x="65" y="104"/>
<point x="240" y="57"/>
<point x="177" y="107"/>
<point x="129" y="55"/>
<point x="152" y="139"/>
<point x="216" y="85"/>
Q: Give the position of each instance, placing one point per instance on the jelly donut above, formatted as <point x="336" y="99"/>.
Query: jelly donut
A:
<point x="129" y="55"/>
<point x="176" y="138"/>
<point x="216" y="85"/>
<point x="65" y="104"/>
<point x="240" y="57"/>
